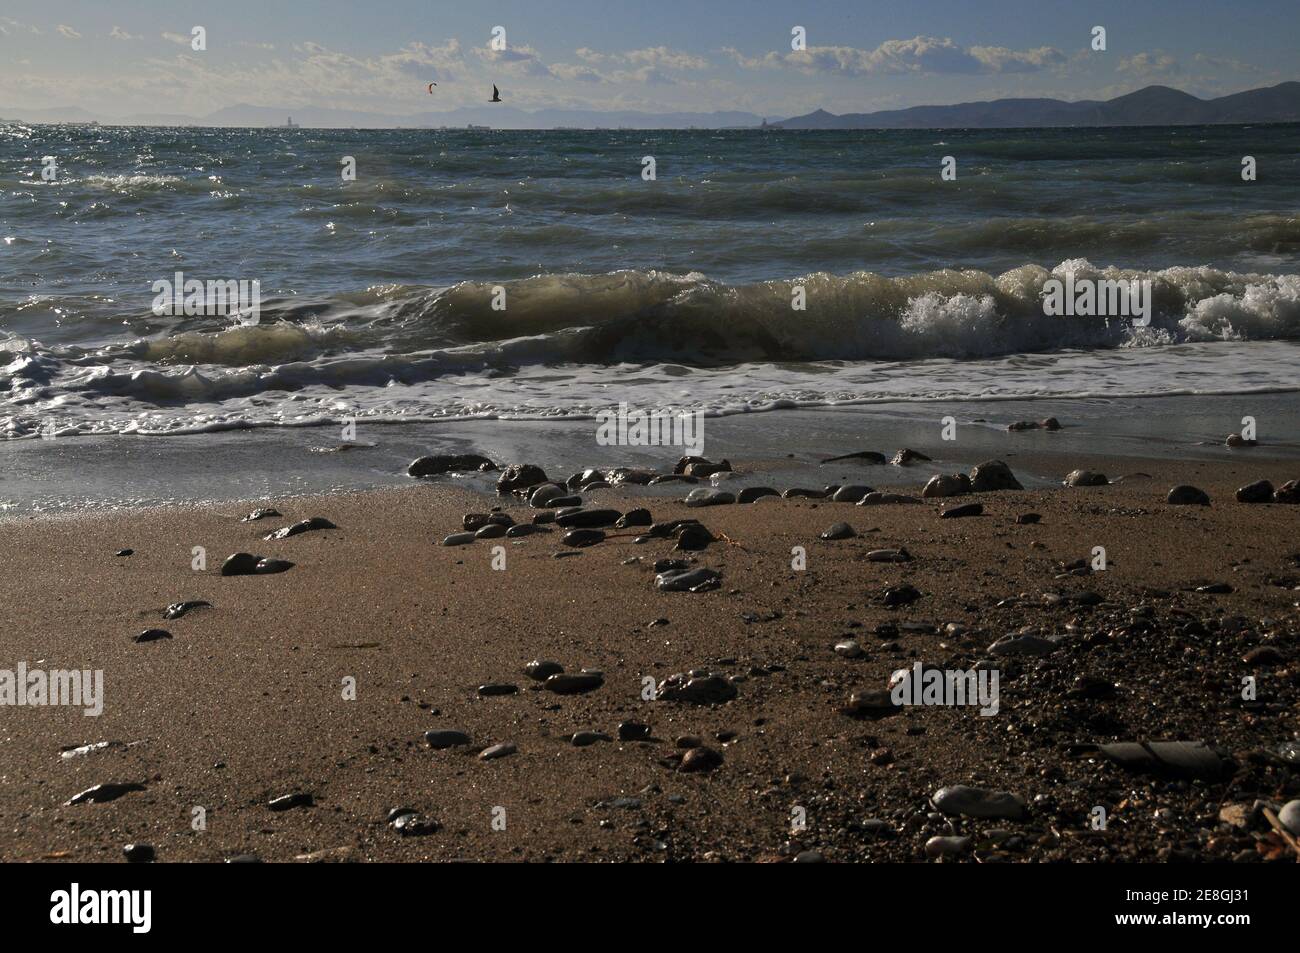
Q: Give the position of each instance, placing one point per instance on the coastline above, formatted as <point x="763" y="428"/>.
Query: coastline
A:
<point x="94" y="474"/>
<point x="243" y="704"/>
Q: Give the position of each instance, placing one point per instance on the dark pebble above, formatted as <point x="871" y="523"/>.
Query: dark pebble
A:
<point x="152" y="635"/>
<point x="138" y="853"/>
<point x="540" y="671"/>
<point x="575" y="683"/>
<point x="633" y="731"/>
<point x="289" y="801"/>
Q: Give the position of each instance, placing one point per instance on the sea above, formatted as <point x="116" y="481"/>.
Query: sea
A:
<point x="436" y="277"/>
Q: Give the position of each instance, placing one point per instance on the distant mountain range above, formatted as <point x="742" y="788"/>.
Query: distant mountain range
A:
<point x="1152" y="106"/>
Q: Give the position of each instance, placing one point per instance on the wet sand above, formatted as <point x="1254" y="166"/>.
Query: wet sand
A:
<point x="245" y="703"/>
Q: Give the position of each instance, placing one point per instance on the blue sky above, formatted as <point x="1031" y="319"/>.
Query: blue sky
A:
<point x="129" y="57"/>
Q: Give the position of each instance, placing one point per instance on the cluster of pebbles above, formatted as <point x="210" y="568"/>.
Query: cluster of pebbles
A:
<point x="1073" y="679"/>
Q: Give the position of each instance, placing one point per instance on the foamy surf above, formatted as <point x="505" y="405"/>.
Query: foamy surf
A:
<point x="570" y="345"/>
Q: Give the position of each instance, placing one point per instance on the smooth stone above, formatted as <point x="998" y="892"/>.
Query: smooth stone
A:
<point x="1237" y="440"/>
<point x="579" y="538"/>
<point x="1028" y="519"/>
<point x="152" y="635"/>
<point x="567" y="502"/>
<point x="543" y="495"/>
<point x="492" y="531"/>
<point x="889" y="556"/>
<point x="125" y="552"/>
<point x="752" y="493"/>
<point x="692" y="538"/>
<point x="240" y="564"/>
<point x="700" y="468"/>
<point x="1184" y="495"/>
<point x="520" y="476"/>
<point x="580" y="480"/>
<point x="581" y="739"/>
<point x="525" y="529"/>
<point x="966" y="509"/>
<point x="139" y="853"/>
<point x="302" y="526"/>
<point x="839" y="531"/>
<point x="871" y="703"/>
<point x="848" y="649"/>
<point x="1025" y="644"/>
<point x="492" y="689"/>
<point x="952" y="484"/>
<point x="539" y="670"/>
<point x="947" y="846"/>
<point x="867" y="456"/>
<point x="442" y="738"/>
<point x="1085" y="478"/>
<point x="707" y="496"/>
<point x="637" y="517"/>
<point x="673" y="478"/>
<point x="633" y="731"/>
<point x="700" y="759"/>
<point x="497" y="751"/>
<point x="458" y="539"/>
<point x="289" y="801"/>
<point x="798" y="492"/>
<point x="1261" y="491"/>
<point x="979" y="802"/>
<point x="453" y="463"/>
<point x="1289" y="816"/>
<point x="269" y="567"/>
<point x="586" y="519"/>
<point x="178" y="609"/>
<point x="103" y="793"/>
<point x="851" y="493"/>
<point x="991" y="476"/>
<point x="574" y="683"/>
<point x="688" y="580"/>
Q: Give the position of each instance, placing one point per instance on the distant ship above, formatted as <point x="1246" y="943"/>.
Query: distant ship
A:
<point x="289" y="124"/>
<point x="473" y="128"/>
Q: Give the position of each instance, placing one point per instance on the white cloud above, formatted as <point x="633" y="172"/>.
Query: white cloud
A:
<point x="1150" y="64"/>
<point x="117" y="33"/>
<point x="68" y="31"/>
<point x="921" y="54"/>
<point x="176" y="38"/>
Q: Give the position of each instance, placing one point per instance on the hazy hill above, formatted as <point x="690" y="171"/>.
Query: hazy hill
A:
<point x="1152" y="106"/>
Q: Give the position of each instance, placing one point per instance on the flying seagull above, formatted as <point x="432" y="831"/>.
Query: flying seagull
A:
<point x="431" y="85"/>
<point x="496" y="94"/>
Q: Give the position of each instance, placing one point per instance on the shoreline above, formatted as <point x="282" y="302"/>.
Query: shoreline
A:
<point x="244" y="704"/>
<point x="88" y="474"/>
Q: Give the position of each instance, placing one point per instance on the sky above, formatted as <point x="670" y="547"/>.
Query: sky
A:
<point x="135" y="56"/>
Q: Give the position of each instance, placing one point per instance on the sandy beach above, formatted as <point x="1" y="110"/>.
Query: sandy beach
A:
<point x="245" y="703"/>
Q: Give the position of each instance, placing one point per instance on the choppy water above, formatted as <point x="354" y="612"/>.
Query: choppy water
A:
<point x="376" y="294"/>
